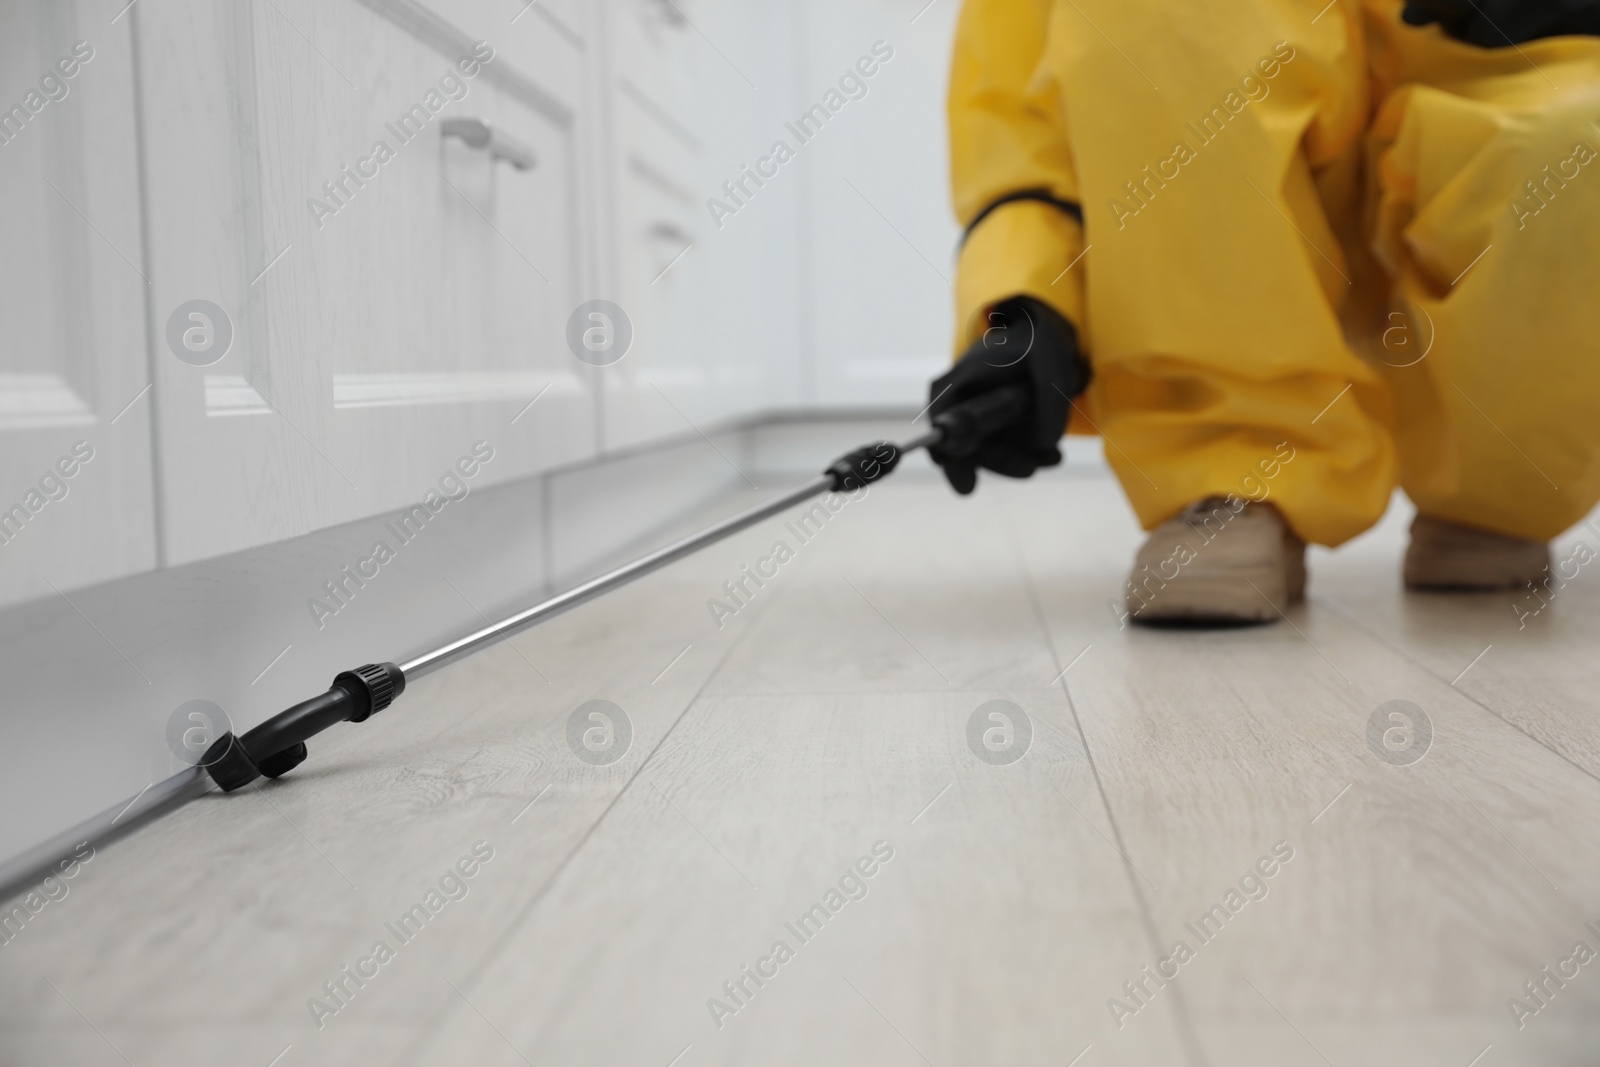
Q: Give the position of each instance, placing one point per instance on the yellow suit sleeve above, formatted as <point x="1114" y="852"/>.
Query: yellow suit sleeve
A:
<point x="1008" y="137"/>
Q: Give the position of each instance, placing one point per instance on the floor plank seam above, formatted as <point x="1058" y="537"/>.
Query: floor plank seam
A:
<point x="544" y="888"/>
<point x="1425" y="669"/>
<point x="1188" y="1036"/>
<point x="1185" y="1022"/>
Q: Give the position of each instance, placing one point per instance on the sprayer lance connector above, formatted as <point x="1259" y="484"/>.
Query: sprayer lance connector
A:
<point x="865" y="465"/>
<point x="278" y="746"/>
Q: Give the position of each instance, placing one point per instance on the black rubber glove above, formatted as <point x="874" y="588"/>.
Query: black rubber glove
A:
<point x="1027" y="345"/>
<point x="1500" y="23"/>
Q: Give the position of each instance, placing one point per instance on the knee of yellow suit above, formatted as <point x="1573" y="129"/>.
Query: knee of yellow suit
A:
<point x="1486" y="210"/>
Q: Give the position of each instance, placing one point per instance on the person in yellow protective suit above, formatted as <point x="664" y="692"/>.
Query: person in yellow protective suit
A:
<point x="1305" y="253"/>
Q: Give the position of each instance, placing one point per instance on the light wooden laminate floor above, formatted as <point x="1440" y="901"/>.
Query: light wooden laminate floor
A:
<point x="829" y="719"/>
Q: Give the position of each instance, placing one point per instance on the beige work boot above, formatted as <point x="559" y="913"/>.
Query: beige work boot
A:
<point x="1221" y="561"/>
<point x="1444" y="555"/>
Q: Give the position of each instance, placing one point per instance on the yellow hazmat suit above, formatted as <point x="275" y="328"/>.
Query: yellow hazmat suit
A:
<point x="1302" y="224"/>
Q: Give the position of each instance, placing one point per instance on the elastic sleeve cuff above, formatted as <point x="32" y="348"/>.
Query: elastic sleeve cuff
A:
<point x="1022" y="248"/>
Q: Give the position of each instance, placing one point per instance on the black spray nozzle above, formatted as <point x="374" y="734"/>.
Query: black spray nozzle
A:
<point x="277" y="746"/>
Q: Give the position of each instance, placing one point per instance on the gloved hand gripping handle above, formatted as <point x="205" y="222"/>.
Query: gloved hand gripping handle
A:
<point x="963" y="428"/>
<point x="958" y="431"/>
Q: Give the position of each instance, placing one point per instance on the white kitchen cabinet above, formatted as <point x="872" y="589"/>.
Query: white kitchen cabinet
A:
<point x="72" y="290"/>
<point x="694" y="90"/>
<point x="391" y="305"/>
<point x="347" y="355"/>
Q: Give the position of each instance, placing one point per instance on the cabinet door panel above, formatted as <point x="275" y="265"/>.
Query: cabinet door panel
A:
<point x="73" y="366"/>
<point x="546" y="38"/>
<point x="397" y="295"/>
<point x="696" y="91"/>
